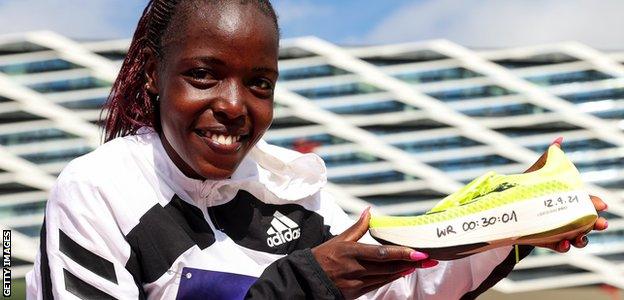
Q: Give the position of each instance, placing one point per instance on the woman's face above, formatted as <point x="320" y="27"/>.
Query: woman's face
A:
<point x="215" y="81"/>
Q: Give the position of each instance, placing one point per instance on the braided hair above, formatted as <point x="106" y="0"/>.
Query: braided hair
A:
<point x="129" y="105"/>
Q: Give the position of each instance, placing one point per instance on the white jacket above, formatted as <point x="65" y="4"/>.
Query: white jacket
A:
<point x="123" y="222"/>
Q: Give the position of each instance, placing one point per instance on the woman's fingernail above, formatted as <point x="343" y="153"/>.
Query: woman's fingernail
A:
<point x="564" y="245"/>
<point x="364" y="212"/>
<point x="416" y="256"/>
<point x="557" y="141"/>
<point x="429" y="263"/>
<point x="410" y="271"/>
<point x="606" y="224"/>
<point x="584" y="240"/>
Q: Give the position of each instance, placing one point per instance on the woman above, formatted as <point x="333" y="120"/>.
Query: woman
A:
<point x="189" y="203"/>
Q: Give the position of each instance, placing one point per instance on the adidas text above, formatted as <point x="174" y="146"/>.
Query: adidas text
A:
<point x="283" y="237"/>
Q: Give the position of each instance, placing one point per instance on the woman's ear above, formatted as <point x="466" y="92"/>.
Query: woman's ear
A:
<point x="151" y="72"/>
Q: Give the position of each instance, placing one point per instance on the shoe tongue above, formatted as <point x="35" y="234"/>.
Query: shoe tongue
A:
<point x="472" y="190"/>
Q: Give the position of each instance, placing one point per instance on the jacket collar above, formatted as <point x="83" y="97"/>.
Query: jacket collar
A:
<point x="270" y="173"/>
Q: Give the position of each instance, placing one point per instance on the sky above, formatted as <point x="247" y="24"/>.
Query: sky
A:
<point x="473" y="23"/>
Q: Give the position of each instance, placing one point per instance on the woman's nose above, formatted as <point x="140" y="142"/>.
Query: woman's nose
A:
<point x="230" y="107"/>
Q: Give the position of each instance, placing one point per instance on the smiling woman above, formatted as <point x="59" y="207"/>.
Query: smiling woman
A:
<point x="218" y="94"/>
<point x="185" y="201"/>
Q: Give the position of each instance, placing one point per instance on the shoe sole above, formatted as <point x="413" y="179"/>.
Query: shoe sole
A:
<point x="541" y="220"/>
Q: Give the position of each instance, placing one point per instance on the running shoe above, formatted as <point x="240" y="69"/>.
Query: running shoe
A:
<point x="543" y="206"/>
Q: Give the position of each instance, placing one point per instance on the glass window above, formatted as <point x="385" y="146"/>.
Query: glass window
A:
<point x="405" y="58"/>
<point x="22" y="209"/>
<point x="456" y="164"/>
<point x="437" y="75"/>
<point x="616" y="163"/>
<point x="505" y="110"/>
<point x="69" y="85"/>
<point x="609" y="215"/>
<point x="31" y="231"/>
<point x="614" y="184"/>
<point x="288" y="122"/>
<point x="553" y="127"/>
<point x="95" y="103"/>
<point x="407" y="126"/>
<point x="20" y="47"/>
<point x="40" y="135"/>
<point x="370" y="178"/>
<point x="562" y="78"/>
<point x="574" y="146"/>
<point x="310" y="72"/>
<point x="352" y="158"/>
<point x="64" y="155"/>
<point x="605" y="237"/>
<point x="338" y="90"/>
<point x="18" y="116"/>
<point x="371" y="108"/>
<point x="319" y="140"/>
<point x="14" y="187"/>
<point x="469" y="93"/>
<point x="610" y="114"/>
<point x="293" y="53"/>
<point x="113" y="55"/>
<point x="392" y="199"/>
<point x="535" y="61"/>
<point x="437" y="144"/>
<point x="608" y="94"/>
<point x="405" y="197"/>
<point x="38" y="67"/>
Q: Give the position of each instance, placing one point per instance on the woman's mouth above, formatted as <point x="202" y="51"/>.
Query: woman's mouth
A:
<point x="221" y="142"/>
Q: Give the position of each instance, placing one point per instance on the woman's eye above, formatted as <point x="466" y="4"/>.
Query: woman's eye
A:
<point x="263" y="84"/>
<point x="199" y="74"/>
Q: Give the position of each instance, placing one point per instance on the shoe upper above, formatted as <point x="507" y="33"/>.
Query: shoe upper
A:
<point x="492" y="190"/>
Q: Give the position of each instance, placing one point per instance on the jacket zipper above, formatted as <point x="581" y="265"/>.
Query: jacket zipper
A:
<point x="213" y="218"/>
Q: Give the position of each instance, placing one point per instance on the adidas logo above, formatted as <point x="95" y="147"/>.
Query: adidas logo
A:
<point x="282" y="230"/>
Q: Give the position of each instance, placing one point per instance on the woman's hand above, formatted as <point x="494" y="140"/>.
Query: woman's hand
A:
<point x="581" y="240"/>
<point x="357" y="268"/>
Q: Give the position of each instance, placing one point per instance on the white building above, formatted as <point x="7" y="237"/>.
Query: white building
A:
<point x="399" y="126"/>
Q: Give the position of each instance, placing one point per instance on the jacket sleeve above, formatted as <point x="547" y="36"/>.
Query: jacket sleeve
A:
<point x="295" y="276"/>
<point x="82" y="251"/>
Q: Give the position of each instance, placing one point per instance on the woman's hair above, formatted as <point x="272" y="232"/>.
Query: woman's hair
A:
<point x="130" y="106"/>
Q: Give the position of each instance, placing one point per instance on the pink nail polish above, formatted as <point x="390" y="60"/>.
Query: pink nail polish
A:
<point x="565" y="245"/>
<point x="606" y="224"/>
<point x="557" y="141"/>
<point x="410" y="271"/>
<point x="416" y="256"/>
<point x="429" y="263"/>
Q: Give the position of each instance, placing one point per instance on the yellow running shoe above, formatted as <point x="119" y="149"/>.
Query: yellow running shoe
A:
<point x="543" y="206"/>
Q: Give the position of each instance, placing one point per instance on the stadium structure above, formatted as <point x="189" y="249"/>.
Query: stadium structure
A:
<point x="399" y="127"/>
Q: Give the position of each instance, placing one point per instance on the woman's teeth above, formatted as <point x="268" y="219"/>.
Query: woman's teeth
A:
<point x="223" y="139"/>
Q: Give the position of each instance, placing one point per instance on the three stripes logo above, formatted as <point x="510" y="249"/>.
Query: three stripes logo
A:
<point x="282" y="230"/>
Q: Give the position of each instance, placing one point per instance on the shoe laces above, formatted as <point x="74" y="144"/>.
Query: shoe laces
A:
<point x="476" y="188"/>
